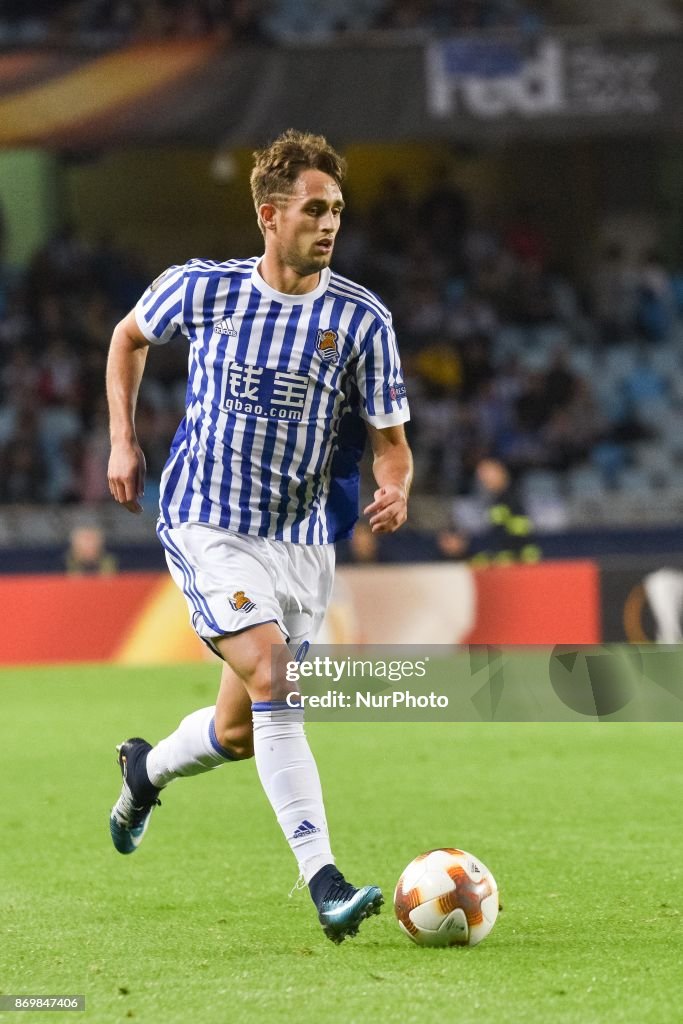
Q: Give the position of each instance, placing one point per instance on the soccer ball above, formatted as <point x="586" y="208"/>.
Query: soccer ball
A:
<point x="446" y="898"/>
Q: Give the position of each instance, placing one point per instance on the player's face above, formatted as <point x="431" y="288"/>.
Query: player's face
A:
<point x="306" y="225"/>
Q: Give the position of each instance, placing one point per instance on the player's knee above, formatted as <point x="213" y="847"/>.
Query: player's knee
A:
<point x="262" y="686"/>
<point x="238" y="739"/>
<point x="242" y="750"/>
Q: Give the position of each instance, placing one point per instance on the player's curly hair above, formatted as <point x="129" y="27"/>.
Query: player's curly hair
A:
<point x="277" y="167"/>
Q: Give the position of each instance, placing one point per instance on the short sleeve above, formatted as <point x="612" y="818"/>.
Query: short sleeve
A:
<point x="159" y="311"/>
<point x="383" y="400"/>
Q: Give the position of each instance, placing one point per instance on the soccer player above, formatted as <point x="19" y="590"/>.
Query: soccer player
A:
<point x="289" y="365"/>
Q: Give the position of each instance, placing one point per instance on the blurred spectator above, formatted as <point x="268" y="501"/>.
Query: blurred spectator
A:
<point x="436" y="445"/>
<point x="529" y="299"/>
<point x="19" y="375"/>
<point x="500" y="530"/>
<point x="365" y="547"/>
<point x="451" y="544"/>
<point x="443" y="215"/>
<point x="644" y="384"/>
<point x="526" y="239"/>
<point x="87" y="554"/>
<point x="472" y="317"/>
<point x="560" y="381"/>
<point x="15" y="323"/>
<point x="615" y="295"/>
<point x="574" y="428"/>
<point x="62" y="266"/>
<point x="476" y="363"/>
<point x="22" y="466"/>
<point x="363" y="544"/>
<point x="422" y="316"/>
<point x="532" y="407"/>
<point x="490" y="413"/>
<point x="656" y="299"/>
<point x="59" y="375"/>
<point x="392" y="217"/>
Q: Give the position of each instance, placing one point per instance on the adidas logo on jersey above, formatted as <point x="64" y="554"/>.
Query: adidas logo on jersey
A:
<point x="306" y="828"/>
<point x="225" y="327"/>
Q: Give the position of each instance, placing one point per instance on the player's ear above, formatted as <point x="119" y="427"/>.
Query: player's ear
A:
<point x="267" y="213"/>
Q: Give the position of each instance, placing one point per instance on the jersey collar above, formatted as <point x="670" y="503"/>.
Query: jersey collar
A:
<point x="283" y="297"/>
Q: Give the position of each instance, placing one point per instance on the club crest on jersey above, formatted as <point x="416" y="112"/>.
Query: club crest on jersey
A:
<point x="239" y="602"/>
<point x="326" y="344"/>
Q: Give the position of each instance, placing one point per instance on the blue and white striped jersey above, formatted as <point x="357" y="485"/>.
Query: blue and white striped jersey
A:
<point x="270" y="442"/>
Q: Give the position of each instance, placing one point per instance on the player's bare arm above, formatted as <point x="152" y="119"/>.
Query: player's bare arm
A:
<point x="393" y="470"/>
<point x="125" y="366"/>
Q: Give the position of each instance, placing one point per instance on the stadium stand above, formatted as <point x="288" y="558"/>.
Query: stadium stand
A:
<point x="504" y="357"/>
<point x="100" y="23"/>
<point x="571" y="378"/>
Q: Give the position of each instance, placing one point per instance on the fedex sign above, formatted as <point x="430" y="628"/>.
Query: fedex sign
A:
<point x="491" y="79"/>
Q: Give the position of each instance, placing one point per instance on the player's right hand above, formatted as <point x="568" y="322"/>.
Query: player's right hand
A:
<point x="126" y="475"/>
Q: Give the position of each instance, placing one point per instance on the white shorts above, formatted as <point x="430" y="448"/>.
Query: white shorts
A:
<point x="232" y="581"/>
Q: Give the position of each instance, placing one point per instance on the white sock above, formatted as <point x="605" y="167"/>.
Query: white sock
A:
<point x="289" y="775"/>
<point x="190" y="750"/>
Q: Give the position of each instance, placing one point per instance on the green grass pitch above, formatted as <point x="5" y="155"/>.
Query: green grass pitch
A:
<point x="580" y="823"/>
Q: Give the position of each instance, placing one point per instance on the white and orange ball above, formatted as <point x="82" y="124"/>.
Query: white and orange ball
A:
<point x="446" y="898"/>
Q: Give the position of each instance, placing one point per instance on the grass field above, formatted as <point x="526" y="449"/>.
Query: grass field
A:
<point x="580" y="823"/>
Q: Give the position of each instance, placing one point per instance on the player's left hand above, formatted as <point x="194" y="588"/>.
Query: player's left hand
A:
<point x="389" y="510"/>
